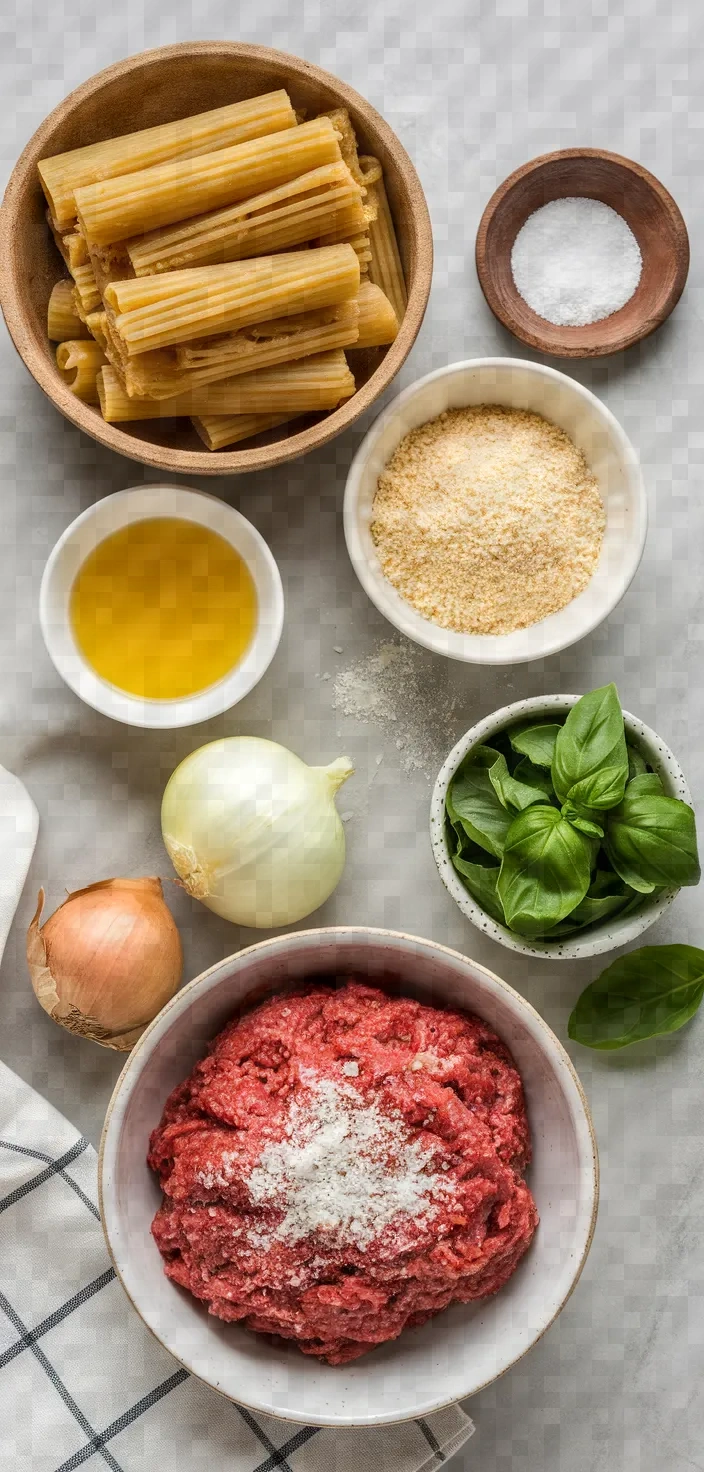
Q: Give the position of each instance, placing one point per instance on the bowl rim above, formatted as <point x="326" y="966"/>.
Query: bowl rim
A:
<point x="341" y="933"/>
<point x="570" y="346"/>
<point x="206" y="462"/>
<point x="600" y="939"/>
<point x="401" y="614"/>
<point x="183" y="503"/>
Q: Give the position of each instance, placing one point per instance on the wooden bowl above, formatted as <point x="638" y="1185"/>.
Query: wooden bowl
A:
<point x="635" y="194"/>
<point x="156" y="87"/>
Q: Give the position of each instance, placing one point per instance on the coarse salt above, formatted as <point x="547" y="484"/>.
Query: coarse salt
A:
<point x="576" y="261"/>
<point x="344" y="1166"/>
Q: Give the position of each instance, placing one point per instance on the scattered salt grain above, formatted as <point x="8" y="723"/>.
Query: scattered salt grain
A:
<point x="402" y="690"/>
<point x="576" y="261"/>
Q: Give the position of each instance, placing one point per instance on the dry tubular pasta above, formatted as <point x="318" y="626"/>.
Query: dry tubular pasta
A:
<point x="315" y="383"/>
<point x="189" y="137"/>
<point x="63" y="322"/>
<point x="324" y="201"/>
<point x="156" y="311"/>
<point x="340" y="119"/>
<point x="218" y="430"/>
<point x="158" y="375"/>
<point x="120" y="208"/>
<point x="79" y="364"/>
<point x="97" y="323"/>
<point x="110" y="263"/>
<point x="385" y="268"/>
<point x="70" y="244"/>
<point x="86" y="288"/>
<point x="378" y="323"/>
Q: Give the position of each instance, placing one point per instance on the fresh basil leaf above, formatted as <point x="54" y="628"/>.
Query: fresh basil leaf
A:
<point x="536" y="742"/>
<point x="650" y="992"/>
<point x="579" y="820"/>
<point x="590" y="764"/>
<point x="510" y="792"/>
<point x="463" y="847"/>
<point x="652" y="841"/>
<point x="545" y="870"/>
<point x="471" y="799"/>
<point x="533" y="776"/>
<point x="480" y="880"/>
<point x="645" y="782"/>
<point x="636" y="763"/>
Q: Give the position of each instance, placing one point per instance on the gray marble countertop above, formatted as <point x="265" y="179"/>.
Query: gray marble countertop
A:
<point x="473" y="89"/>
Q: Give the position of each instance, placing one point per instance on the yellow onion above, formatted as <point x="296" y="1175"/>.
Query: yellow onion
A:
<point x="107" y="960"/>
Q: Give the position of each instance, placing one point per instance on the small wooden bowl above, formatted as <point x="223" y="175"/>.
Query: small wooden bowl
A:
<point x="635" y="194"/>
<point x="156" y="87"/>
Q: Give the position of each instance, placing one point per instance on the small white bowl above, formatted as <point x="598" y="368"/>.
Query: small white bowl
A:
<point x="140" y="503"/>
<point x="609" y="454"/>
<point x="460" y="1350"/>
<point x="612" y="932"/>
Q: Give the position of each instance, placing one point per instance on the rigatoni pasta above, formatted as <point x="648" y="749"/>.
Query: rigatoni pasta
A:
<point x="315" y="383"/>
<point x="117" y="209"/>
<point x="79" y="364"/>
<point x="188" y="137"/>
<point x="155" y="311"/>
<point x="324" y="201"/>
<point x="159" y="375"/>
<point x="63" y="321"/>
<point x="218" y="430"/>
<point x="222" y="266"/>
<point x="385" y="268"/>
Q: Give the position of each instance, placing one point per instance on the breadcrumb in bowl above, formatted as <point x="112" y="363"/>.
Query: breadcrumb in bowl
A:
<point x="495" y="512"/>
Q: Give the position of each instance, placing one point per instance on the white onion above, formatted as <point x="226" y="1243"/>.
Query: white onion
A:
<point x="253" y="832"/>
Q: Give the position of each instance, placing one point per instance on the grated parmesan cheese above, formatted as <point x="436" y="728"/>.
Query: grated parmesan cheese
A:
<point x="344" y="1166"/>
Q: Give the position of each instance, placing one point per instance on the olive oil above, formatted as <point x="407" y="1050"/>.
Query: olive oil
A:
<point x="163" y="608"/>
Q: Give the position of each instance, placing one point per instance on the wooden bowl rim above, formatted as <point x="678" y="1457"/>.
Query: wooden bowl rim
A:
<point x="569" y="347"/>
<point x="219" y="462"/>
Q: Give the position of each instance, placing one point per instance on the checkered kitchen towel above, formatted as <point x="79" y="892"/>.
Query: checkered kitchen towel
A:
<point x="81" y="1379"/>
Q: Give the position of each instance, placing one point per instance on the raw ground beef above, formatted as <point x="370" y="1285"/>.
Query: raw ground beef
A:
<point x="342" y="1166"/>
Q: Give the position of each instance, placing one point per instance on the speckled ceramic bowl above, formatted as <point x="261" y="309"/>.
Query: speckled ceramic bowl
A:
<point x="613" y="932"/>
<point x="459" y="1351"/>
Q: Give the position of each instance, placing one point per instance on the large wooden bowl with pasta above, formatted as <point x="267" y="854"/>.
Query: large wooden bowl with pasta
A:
<point x="300" y="259"/>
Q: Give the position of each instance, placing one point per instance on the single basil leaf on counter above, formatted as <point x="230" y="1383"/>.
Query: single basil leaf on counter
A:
<point x="472" y="800"/>
<point x="650" y="992"/>
<point x="545" y="870"/>
<point x="480" y="880"/>
<point x="580" y="820"/>
<point x="652" y="842"/>
<point x="533" y="776"/>
<point x="536" y="742"/>
<point x="590" y="764"/>
<point x="645" y="782"/>
<point x="637" y="764"/>
<point x="510" y="791"/>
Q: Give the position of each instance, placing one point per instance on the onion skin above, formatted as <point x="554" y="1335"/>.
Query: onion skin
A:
<point x="107" y="960"/>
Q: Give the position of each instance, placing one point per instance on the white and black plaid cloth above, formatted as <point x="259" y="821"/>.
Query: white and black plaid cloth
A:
<point x="81" y="1380"/>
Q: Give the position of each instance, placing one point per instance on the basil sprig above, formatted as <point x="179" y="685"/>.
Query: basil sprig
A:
<point x="650" y="992"/>
<point x="561" y="824"/>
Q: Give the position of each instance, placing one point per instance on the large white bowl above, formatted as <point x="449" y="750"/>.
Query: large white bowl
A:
<point x="462" y="1349"/>
<point x="609" y="455"/>
<point x="615" y="931"/>
<point x="140" y="503"/>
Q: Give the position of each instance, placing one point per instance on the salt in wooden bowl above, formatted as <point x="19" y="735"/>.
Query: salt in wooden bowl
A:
<point x="157" y="87"/>
<point x="637" y="196"/>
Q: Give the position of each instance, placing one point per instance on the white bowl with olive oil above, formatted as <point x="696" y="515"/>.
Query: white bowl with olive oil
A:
<point x="161" y="606"/>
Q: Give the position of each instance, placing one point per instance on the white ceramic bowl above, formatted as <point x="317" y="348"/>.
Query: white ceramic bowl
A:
<point x="614" y="931"/>
<point x="110" y="515"/>
<point x="454" y="1354"/>
<point x="609" y="454"/>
